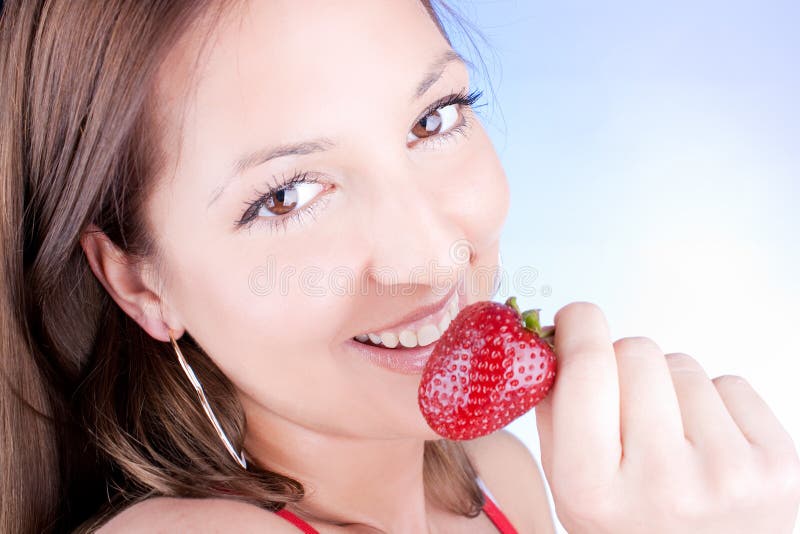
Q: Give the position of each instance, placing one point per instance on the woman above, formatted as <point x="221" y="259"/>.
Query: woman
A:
<point x="225" y="227"/>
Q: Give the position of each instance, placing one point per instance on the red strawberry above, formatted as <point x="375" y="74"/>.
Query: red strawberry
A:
<point x="490" y="366"/>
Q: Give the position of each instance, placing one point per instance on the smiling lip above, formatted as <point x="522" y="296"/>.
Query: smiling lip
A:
<point x="403" y="360"/>
<point x="423" y="312"/>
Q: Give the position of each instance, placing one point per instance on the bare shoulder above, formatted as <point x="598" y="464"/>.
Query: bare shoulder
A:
<point x="171" y="514"/>
<point x="512" y="474"/>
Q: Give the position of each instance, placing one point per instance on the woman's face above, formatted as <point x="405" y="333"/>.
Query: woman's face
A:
<point x="275" y="292"/>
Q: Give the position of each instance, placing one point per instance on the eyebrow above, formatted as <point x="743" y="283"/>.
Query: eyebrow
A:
<point x="321" y="144"/>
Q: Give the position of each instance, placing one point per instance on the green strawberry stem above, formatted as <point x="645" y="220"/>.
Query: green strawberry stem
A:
<point x="512" y="301"/>
<point x="530" y="318"/>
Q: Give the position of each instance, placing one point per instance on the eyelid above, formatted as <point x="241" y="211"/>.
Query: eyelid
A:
<point x="431" y="108"/>
<point x="277" y="183"/>
<point x="466" y="104"/>
<point x="273" y="224"/>
<point x="469" y="98"/>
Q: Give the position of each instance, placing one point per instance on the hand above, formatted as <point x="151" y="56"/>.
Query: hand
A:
<point x="634" y="441"/>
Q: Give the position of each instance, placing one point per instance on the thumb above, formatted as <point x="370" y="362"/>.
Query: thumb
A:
<point x="544" y="425"/>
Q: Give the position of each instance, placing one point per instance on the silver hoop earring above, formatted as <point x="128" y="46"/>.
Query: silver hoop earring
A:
<point x="187" y="369"/>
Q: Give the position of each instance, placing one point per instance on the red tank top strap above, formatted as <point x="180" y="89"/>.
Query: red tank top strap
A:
<point x="489" y="507"/>
<point x="498" y="518"/>
<point x="296" y="521"/>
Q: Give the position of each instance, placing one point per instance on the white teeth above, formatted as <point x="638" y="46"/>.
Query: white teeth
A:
<point x="453" y="309"/>
<point x="444" y="323"/>
<point x="408" y="338"/>
<point x="389" y="339"/>
<point x="427" y="335"/>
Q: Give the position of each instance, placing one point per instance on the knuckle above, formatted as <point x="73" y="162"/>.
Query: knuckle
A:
<point x="744" y="482"/>
<point x="636" y="345"/>
<point x="728" y="455"/>
<point x="735" y="487"/>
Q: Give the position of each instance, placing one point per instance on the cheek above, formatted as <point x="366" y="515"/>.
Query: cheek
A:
<point x="477" y="191"/>
<point x="479" y="200"/>
<point x="250" y="311"/>
<point x="273" y="326"/>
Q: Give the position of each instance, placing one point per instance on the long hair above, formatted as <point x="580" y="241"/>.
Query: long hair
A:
<point x="94" y="413"/>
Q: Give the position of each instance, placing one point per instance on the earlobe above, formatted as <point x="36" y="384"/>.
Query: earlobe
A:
<point x="125" y="283"/>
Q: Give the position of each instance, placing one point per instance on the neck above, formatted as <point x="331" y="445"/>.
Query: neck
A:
<point x="348" y="480"/>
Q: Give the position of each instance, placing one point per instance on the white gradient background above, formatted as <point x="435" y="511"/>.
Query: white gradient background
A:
<point x="652" y="153"/>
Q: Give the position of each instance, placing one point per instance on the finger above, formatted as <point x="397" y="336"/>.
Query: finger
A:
<point x="650" y="416"/>
<point x="706" y="421"/>
<point x="752" y="415"/>
<point x="544" y="426"/>
<point x="584" y="404"/>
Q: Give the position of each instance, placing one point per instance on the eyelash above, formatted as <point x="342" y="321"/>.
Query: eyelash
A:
<point x="250" y="217"/>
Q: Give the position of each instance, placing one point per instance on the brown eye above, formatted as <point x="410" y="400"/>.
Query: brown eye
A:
<point x="281" y="201"/>
<point x="435" y="123"/>
<point x="428" y="125"/>
<point x="288" y="198"/>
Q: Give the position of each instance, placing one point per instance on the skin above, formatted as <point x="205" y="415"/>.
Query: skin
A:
<point x="629" y="436"/>
<point x="315" y="411"/>
<point x="633" y="437"/>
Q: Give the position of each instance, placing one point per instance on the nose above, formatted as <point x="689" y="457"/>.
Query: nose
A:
<point x="413" y="238"/>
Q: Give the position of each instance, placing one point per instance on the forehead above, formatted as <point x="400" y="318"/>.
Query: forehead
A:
<point x="264" y="62"/>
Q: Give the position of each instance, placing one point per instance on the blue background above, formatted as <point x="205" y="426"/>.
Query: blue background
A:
<point x="652" y="151"/>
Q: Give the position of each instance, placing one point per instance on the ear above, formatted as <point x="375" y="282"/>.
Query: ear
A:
<point x="130" y="284"/>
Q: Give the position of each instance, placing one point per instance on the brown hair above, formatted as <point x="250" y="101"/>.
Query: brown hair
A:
<point x="94" y="413"/>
